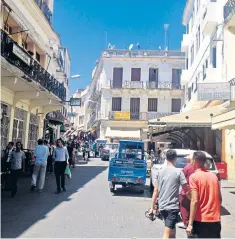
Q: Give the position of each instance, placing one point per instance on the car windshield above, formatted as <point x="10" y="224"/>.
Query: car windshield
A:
<point x="111" y="146"/>
<point x="182" y="161"/>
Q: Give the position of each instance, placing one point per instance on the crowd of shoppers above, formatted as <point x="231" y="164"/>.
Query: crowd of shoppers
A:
<point x="48" y="158"/>
<point x="199" y="201"/>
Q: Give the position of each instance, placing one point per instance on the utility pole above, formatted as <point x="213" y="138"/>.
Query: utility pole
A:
<point x="166" y="26"/>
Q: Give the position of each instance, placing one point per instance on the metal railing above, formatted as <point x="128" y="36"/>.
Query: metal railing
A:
<point x="133" y="84"/>
<point x="56" y="116"/>
<point x="34" y="71"/>
<point x="229" y="10"/>
<point x="142" y="115"/>
<point x="142" y="53"/>
<point x="146" y="85"/>
<point x="45" y="10"/>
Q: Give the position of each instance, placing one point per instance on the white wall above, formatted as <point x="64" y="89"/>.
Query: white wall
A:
<point x="205" y="50"/>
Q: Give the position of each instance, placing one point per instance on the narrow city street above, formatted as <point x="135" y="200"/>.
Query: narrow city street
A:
<point x="89" y="210"/>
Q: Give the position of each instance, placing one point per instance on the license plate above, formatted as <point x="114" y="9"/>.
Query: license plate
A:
<point x="128" y="180"/>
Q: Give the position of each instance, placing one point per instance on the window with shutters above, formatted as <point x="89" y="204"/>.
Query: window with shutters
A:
<point x="176" y="73"/>
<point x="152" y="105"/>
<point x="116" y="104"/>
<point x="135" y="74"/>
<point x="117" y="77"/>
<point x="175" y="105"/>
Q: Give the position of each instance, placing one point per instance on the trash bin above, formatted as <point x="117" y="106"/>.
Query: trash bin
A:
<point x="222" y="168"/>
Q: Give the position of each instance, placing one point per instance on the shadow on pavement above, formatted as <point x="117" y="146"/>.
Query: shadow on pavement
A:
<point x="233" y="192"/>
<point x="20" y="213"/>
<point x="228" y="187"/>
<point x="132" y="192"/>
<point x="224" y="211"/>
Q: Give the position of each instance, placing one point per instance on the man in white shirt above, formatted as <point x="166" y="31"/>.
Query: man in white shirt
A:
<point x="60" y="156"/>
<point x="41" y="153"/>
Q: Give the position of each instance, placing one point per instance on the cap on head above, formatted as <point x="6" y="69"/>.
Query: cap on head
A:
<point x="171" y="155"/>
<point x="200" y="158"/>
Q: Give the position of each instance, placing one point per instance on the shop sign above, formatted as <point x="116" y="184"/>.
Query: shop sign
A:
<point x="75" y="101"/>
<point x="21" y="55"/>
<point x="72" y="114"/>
<point x="120" y="115"/>
<point x="214" y="91"/>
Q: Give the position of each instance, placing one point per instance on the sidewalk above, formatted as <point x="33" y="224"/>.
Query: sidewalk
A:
<point x="228" y="208"/>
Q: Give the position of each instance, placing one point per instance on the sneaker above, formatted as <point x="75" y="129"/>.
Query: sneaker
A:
<point x="181" y="225"/>
<point x="64" y="189"/>
<point x="57" y="192"/>
<point x="40" y="190"/>
<point x="33" y="188"/>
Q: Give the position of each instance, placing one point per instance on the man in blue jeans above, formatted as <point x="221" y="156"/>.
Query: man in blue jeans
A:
<point x="167" y="182"/>
<point x="41" y="154"/>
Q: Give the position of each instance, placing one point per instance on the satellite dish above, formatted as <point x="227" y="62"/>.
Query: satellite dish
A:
<point x="131" y="46"/>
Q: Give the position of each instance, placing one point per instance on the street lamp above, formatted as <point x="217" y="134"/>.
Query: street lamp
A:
<point x="75" y="76"/>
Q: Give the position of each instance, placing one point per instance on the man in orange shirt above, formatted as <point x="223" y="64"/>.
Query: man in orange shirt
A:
<point x="204" y="220"/>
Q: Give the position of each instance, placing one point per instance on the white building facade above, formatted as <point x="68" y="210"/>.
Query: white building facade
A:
<point x="33" y="85"/>
<point x="209" y="44"/>
<point x="131" y="87"/>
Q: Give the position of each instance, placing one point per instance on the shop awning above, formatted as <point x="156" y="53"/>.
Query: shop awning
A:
<point x="224" y="121"/>
<point x="196" y="118"/>
<point x="122" y="134"/>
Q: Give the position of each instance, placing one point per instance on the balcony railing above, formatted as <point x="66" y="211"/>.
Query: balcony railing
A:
<point x="144" y="116"/>
<point x="229" y="10"/>
<point x="55" y="117"/>
<point x="146" y="85"/>
<point x="20" y="58"/>
<point x="142" y="53"/>
<point x="45" y="9"/>
<point x="133" y="85"/>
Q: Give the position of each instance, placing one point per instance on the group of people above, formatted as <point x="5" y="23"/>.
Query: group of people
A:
<point x="199" y="201"/>
<point x="48" y="158"/>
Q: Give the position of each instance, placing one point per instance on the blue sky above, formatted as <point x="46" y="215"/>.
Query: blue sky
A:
<point x="82" y="24"/>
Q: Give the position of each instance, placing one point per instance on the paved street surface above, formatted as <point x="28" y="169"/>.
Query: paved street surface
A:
<point x="89" y="210"/>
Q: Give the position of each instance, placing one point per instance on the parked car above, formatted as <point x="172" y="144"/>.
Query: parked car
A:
<point x="181" y="162"/>
<point x="109" y="151"/>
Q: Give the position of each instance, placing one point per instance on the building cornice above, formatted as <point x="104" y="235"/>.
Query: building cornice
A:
<point x="187" y="12"/>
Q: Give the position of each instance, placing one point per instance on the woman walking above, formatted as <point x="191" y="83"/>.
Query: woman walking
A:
<point x="60" y="156"/>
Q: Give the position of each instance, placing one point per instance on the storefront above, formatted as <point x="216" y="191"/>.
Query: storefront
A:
<point x="33" y="131"/>
<point x="19" y="125"/>
<point x="5" y="122"/>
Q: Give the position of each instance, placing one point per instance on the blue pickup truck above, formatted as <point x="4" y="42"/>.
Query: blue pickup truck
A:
<point x="128" y="167"/>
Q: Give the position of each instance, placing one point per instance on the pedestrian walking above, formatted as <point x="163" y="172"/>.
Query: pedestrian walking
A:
<point x="41" y="154"/>
<point x="49" y="159"/>
<point x="60" y="156"/>
<point x="16" y="158"/>
<point x="7" y="156"/>
<point x="188" y="170"/>
<point x="206" y="199"/>
<point x="71" y="149"/>
<point x="167" y="183"/>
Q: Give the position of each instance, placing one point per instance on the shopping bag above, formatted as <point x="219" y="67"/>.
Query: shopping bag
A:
<point x="67" y="172"/>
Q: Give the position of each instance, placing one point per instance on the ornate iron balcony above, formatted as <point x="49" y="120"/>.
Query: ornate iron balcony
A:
<point x="20" y="58"/>
<point x="173" y="85"/>
<point x="229" y="10"/>
<point x="56" y="117"/>
<point x="45" y="10"/>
